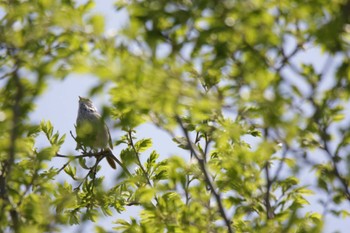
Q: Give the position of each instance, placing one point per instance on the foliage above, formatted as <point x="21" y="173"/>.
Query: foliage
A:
<point x="214" y="75"/>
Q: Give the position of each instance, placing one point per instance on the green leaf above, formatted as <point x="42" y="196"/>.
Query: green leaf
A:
<point x="71" y="171"/>
<point x="143" y="144"/>
<point x="82" y="162"/>
<point x="106" y="210"/>
<point x="97" y="22"/>
<point x="144" y="194"/>
<point x="74" y="217"/>
<point x="300" y="201"/>
<point x="151" y="161"/>
<point x="345" y="214"/>
<point x="91" y="215"/>
<point x="127" y="156"/>
<point x="338" y="117"/>
<point x="61" y="140"/>
<point x="47" y="153"/>
<point x="99" y="229"/>
<point x="153" y="157"/>
<point x="34" y="130"/>
<point x="304" y="191"/>
<point x="182" y="142"/>
<point x="47" y="128"/>
<point x="316" y="217"/>
<point x="290" y="162"/>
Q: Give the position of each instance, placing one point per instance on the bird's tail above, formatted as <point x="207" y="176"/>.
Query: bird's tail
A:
<point x="110" y="159"/>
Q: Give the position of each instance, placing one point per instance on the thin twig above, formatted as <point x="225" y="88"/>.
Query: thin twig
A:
<point x="92" y="169"/>
<point x="63" y="167"/>
<point x="102" y="153"/>
<point x="79" y="156"/>
<point x="269" y="210"/>
<point x="333" y="157"/>
<point x="281" y="163"/>
<point x="186" y="188"/>
<point x="286" y="58"/>
<point x="269" y="182"/>
<point x="132" y="203"/>
<point x="131" y="142"/>
<point x="207" y="177"/>
<point x="206" y="147"/>
<point x="138" y="158"/>
<point x="336" y="172"/>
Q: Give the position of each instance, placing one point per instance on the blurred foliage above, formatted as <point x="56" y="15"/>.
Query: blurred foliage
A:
<point x="222" y="78"/>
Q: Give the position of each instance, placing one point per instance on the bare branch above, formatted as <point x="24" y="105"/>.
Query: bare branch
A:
<point x="269" y="209"/>
<point x="286" y="58"/>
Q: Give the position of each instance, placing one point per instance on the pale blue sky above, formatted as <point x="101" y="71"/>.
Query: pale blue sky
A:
<point x="60" y="103"/>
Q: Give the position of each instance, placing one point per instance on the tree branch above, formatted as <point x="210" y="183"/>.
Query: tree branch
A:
<point x="102" y="153"/>
<point x="269" y="209"/>
<point x="7" y="165"/>
<point x="333" y="157"/>
<point x="281" y="163"/>
<point x="92" y="170"/>
<point x="131" y="142"/>
<point x="336" y="172"/>
<point x="201" y="162"/>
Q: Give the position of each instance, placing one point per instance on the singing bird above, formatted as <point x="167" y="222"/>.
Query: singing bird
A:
<point x="92" y="131"/>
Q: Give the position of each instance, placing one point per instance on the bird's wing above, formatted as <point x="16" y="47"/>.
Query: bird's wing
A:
<point x="109" y="138"/>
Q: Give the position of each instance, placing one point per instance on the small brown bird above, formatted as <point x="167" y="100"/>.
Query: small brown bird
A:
<point x="92" y="131"/>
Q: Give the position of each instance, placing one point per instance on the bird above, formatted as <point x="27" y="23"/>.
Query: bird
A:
<point x="92" y="132"/>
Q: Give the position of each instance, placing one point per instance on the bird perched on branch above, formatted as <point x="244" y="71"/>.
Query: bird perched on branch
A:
<point x="92" y="132"/>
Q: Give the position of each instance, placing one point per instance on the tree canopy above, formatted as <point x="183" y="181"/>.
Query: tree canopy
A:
<point x="225" y="79"/>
